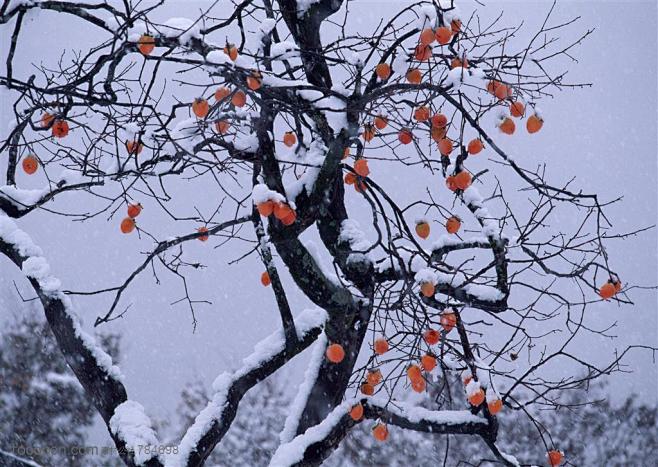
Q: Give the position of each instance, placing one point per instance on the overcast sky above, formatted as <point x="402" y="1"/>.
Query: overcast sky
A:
<point x="605" y="135"/>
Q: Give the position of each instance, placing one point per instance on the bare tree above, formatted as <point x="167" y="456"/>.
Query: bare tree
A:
<point x="279" y="117"/>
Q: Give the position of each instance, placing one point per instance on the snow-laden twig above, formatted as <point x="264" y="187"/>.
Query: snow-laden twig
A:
<point x="229" y="387"/>
<point x="336" y="425"/>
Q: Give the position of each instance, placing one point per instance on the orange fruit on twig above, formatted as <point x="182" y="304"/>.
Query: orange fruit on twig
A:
<point x="127" y="225"/>
<point x="254" y="81"/>
<point x="463" y="179"/>
<point x="356" y="412"/>
<point x="414" y="373"/>
<point x="517" y="109"/>
<point x="495" y="406"/>
<point x="428" y="362"/>
<point x="607" y="291"/>
<point x="405" y="136"/>
<point x="423" y="230"/>
<point x="46" y="119"/>
<point x="204" y="234"/>
<point x="231" y="51"/>
<point x="60" y="129"/>
<point x="374" y="377"/>
<point x="222" y="93"/>
<point x="554" y="457"/>
<point x="427" y="289"/>
<point x="448" y="321"/>
<point x="443" y="35"/>
<point x="427" y="36"/>
<point x="422" y="114"/>
<point x="381" y="122"/>
<point x="335" y="353"/>
<point x="445" y="146"/>
<point x="289" y="139"/>
<point x="380" y="432"/>
<point x="367" y="389"/>
<point x="134" y="147"/>
<point x="200" y="107"/>
<point x="239" y="99"/>
<point x="368" y="133"/>
<point x="453" y="224"/>
<point x="146" y="44"/>
<point x="134" y="210"/>
<point x="266" y="208"/>
<point x="476" y="398"/>
<point x="507" y="126"/>
<point x="30" y="164"/>
<point x="414" y="76"/>
<point x="222" y="126"/>
<point x="381" y="346"/>
<point x="383" y="71"/>
<point x="361" y="167"/>
<point x="475" y="146"/>
<point x="265" y="278"/>
<point x="534" y="124"/>
<point x="432" y="336"/>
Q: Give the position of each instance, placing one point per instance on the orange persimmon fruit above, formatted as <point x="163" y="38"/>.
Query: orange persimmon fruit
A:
<point x="356" y="412"/>
<point x="239" y="99"/>
<point x="422" y="113"/>
<point x="60" y="129"/>
<point x="134" y="210"/>
<point x="475" y="146"/>
<point x="380" y="432"/>
<point x="448" y="321"/>
<point x="200" y="107"/>
<point x="204" y="234"/>
<point x="453" y="224"/>
<point x="427" y="36"/>
<point x="414" y="76"/>
<point x="289" y="139"/>
<point x="432" y="336"/>
<point x="383" y="71"/>
<point x="507" y="126"/>
<point x="443" y="35"/>
<point x="405" y="136"/>
<point x="127" y="225"/>
<point x="335" y="353"/>
<point x="30" y="164"/>
<point x="146" y="44"/>
<point x="361" y="168"/>
<point x="428" y="362"/>
<point x="534" y="124"/>
<point x="265" y="278"/>
<point x="463" y="179"/>
<point x="381" y="346"/>
<point x="476" y="398"/>
<point x="423" y="229"/>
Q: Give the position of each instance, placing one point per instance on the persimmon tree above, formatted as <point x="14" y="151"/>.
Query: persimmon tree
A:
<point x="291" y="117"/>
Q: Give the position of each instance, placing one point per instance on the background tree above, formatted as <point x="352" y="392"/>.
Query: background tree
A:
<point x="42" y="405"/>
<point x="275" y="107"/>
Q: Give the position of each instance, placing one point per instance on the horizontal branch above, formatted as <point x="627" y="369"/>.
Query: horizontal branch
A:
<point x="316" y="444"/>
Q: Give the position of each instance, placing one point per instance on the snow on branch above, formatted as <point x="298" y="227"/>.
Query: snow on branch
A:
<point x="319" y="440"/>
<point x="296" y="410"/>
<point x="131" y="424"/>
<point x="229" y="388"/>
